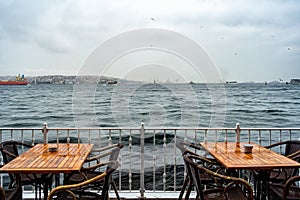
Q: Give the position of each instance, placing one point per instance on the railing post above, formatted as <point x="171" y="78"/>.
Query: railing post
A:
<point x="45" y="131"/>
<point x="142" y="173"/>
<point x="237" y="133"/>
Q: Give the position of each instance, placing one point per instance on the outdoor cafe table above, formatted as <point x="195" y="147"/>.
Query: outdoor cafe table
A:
<point x="38" y="159"/>
<point x="232" y="156"/>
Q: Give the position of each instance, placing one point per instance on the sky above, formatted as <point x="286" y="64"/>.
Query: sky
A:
<point x="250" y="40"/>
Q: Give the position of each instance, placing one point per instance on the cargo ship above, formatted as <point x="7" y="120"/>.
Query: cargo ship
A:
<point x="20" y="80"/>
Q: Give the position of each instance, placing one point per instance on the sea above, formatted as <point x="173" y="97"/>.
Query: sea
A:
<point x="256" y="105"/>
<point x="155" y="105"/>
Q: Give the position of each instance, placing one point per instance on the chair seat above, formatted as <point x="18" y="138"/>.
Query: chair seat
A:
<point x="214" y="194"/>
<point x="80" y="195"/>
<point x="11" y="194"/>
<point x="80" y="191"/>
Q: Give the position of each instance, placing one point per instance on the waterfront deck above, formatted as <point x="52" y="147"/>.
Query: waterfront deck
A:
<point x="151" y="165"/>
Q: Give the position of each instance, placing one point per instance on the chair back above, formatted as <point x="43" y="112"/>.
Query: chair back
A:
<point x="292" y="147"/>
<point x="226" y="187"/>
<point x="194" y="175"/>
<point x="9" y="150"/>
<point x="115" y="152"/>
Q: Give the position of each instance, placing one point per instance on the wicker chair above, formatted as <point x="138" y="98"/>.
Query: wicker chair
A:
<point x="13" y="191"/>
<point x="292" y="150"/>
<point x="80" y="191"/>
<point x="226" y="187"/>
<point x="92" y="166"/>
<point x="187" y="148"/>
<point x="290" y="190"/>
<point x="10" y="150"/>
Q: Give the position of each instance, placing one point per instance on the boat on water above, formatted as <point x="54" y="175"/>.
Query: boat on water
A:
<point x="20" y="80"/>
<point x="231" y="82"/>
<point x="111" y="82"/>
<point x="295" y="81"/>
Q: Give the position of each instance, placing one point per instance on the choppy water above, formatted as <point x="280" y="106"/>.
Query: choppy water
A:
<point x="250" y="104"/>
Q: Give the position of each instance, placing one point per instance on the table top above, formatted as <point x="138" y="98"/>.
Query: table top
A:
<point x="38" y="159"/>
<point x="232" y="156"/>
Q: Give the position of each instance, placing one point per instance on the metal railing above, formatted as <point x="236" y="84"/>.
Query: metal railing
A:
<point x="150" y="153"/>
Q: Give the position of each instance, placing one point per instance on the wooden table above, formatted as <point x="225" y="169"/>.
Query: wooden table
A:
<point x="232" y="156"/>
<point x="38" y="159"/>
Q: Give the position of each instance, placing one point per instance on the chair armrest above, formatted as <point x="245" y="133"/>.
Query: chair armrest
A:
<point x="295" y="155"/>
<point x="276" y="144"/>
<point x="94" y="167"/>
<point x="104" y="149"/>
<point x="97" y="157"/>
<point x="107" y="147"/>
<point x="8" y="153"/>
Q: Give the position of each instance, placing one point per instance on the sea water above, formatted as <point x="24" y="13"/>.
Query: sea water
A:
<point x="167" y="105"/>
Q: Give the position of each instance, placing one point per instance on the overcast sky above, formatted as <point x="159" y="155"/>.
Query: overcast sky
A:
<point x="252" y="40"/>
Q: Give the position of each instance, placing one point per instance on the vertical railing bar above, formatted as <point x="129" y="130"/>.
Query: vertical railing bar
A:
<point x="270" y="137"/>
<point x="130" y="153"/>
<point x="259" y="136"/>
<point x="1" y="140"/>
<point x="22" y="135"/>
<point x="154" y="160"/>
<point x="32" y="137"/>
<point x="142" y="172"/>
<point x="205" y="135"/>
<point x="249" y="135"/>
<point x="175" y="138"/>
<point x="11" y="134"/>
<point x="57" y="137"/>
<point x="165" y="160"/>
<point x="99" y="138"/>
<point x="290" y="131"/>
<point x="68" y="136"/>
<point x="78" y="136"/>
<point x="109" y="137"/>
<point x="89" y="139"/>
<point x="1" y="161"/>
<point x="195" y="136"/>
<point x="216" y="135"/>
<point x="120" y="159"/>
<point x="226" y="135"/>
<point x="280" y="139"/>
<point x="237" y="133"/>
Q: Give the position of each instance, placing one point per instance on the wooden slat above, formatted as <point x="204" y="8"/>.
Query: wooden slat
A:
<point x="232" y="156"/>
<point x="69" y="157"/>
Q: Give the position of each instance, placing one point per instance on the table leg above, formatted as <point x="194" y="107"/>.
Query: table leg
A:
<point x="46" y="182"/>
<point x="261" y="179"/>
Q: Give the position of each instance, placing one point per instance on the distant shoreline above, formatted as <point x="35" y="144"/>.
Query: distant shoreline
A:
<point x="72" y="79"/>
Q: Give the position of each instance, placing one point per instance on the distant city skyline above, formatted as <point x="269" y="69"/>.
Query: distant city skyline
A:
<point x="246" y="40"/>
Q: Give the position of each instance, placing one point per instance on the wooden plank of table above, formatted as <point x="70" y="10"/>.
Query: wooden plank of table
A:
<point x="69" y="157"/>
<point x="232" y="156"/>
